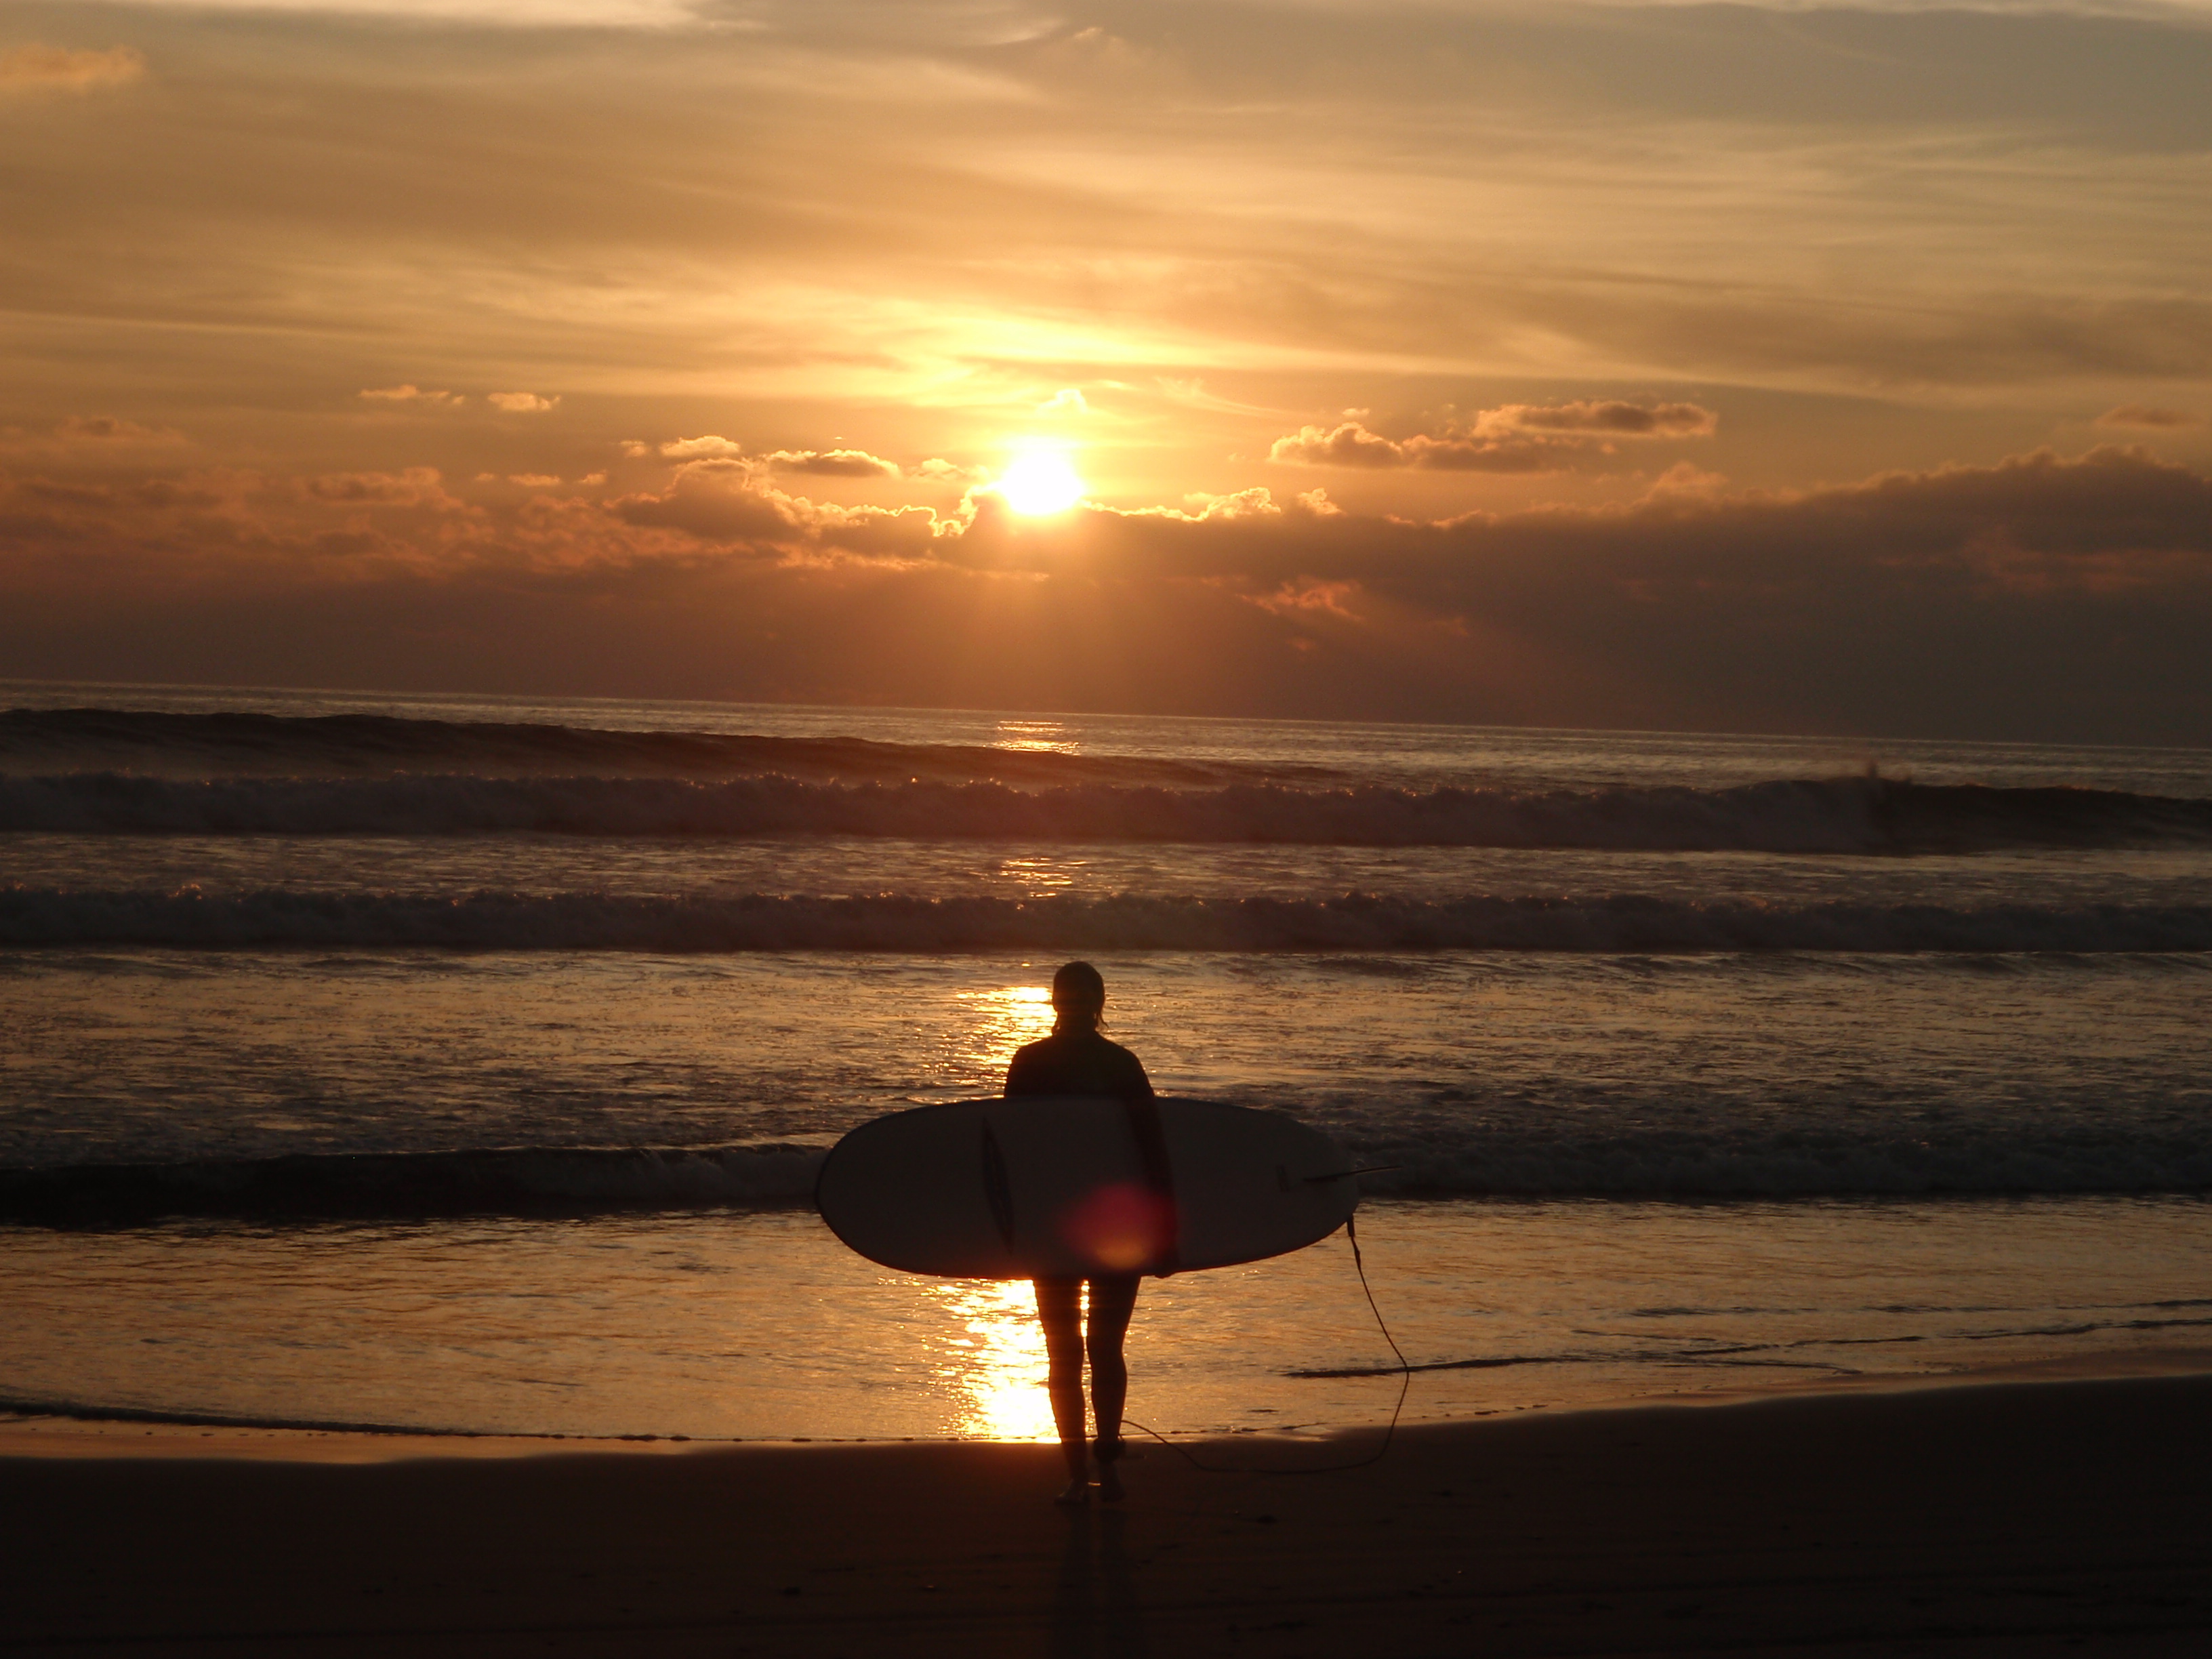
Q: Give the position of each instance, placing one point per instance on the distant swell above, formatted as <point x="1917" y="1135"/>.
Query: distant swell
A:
<point x="1469" y="1158"/>
<point x="1833" y="815"/>
<point x="338" y="746"/>
<point x="593" y="921"/>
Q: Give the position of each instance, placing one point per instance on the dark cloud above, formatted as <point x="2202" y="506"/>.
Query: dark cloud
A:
<point x="1511" y="438"/>
<point x="724" y="501"/>
<point x="417" y="486"/>
<point x="2044" y="596"/>
<point x="1610" y="418"/>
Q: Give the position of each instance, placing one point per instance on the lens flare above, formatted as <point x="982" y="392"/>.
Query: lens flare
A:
<point x="1121" y="1228"/>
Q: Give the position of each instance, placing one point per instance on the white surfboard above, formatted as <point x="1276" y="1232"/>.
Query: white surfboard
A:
<point x="1043" y="1188"/>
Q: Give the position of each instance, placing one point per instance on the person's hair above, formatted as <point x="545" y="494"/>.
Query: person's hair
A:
<point x="1079" y="995"/>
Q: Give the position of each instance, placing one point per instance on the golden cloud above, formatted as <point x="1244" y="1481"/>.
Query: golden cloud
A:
<point x="410" y="394"/>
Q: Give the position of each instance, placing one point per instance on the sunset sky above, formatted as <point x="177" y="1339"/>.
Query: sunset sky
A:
<point x="1757" y="368"/>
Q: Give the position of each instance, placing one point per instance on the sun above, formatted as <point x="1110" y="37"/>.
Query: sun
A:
<point x="1039" y="483"/>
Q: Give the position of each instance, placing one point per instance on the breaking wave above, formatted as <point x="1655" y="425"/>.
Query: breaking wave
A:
<point x="190" y="919"/>
<point x="1824" y="815"/>
<point x="368" y="1186"/>
<point x="1472" y="1159"/>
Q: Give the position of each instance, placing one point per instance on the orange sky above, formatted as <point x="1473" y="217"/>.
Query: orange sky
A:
<point x="1754" y="367"/>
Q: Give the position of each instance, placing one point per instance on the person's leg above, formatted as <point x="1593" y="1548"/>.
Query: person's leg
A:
<point x="1060" y="1311"/>
<point x="1112" y="1302"/>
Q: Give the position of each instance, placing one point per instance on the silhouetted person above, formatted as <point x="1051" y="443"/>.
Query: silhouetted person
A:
<point x="1076" y="1060"/>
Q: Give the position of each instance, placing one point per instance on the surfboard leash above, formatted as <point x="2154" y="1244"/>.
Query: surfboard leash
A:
<point x="1405" y="1386"/>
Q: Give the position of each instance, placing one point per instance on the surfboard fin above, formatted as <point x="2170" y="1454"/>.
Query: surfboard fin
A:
<point x="1346" y="1175"/>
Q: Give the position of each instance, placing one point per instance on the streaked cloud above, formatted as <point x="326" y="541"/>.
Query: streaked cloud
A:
<point x="85" y="437"/>
<point x="66" y="69"/>
<point x="656" y="14"/>
<point x="2144" y="415"/>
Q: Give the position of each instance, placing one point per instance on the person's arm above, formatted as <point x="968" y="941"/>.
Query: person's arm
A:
<point x="1137" y="1085"/>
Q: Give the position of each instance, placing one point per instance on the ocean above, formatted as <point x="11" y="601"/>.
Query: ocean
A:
<point x="461" y="1065"/>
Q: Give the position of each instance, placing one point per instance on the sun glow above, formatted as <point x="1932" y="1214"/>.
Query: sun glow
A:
<point x="1040" y="483"/>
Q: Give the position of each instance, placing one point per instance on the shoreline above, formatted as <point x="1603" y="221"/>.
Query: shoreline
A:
<point x="69" y="1431"/>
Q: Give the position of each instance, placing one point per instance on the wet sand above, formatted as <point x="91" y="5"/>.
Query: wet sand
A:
<point x="2031" y="1515"/>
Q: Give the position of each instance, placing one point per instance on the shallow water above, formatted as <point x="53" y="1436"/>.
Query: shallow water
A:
<point x="760" y="1325"/>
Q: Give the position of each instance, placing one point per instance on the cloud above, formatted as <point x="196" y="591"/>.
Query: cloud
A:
<point x="522" y="402"/>
<point x="410" y="394"/>
<point x="1191" y="393"/>
<point x="80" y="437"/>
<point x="1610" y="419"/>
<point x="534" y="480"/>
<point x="1068" y="400"/>
<point x="60" y="69"/>
<point x="724" y="501"/>
<point x="416" y="486"/>
<point x="691" y="448"/>
<point x="2043" y="596"/>
<point x="819" y="463"/>
<point x="1349" y="445"/>
<point x="831" y="463"/>
<point x="2140" y="415"/>
<point x="108" y="429"/>
<point x="1511" y="438"/>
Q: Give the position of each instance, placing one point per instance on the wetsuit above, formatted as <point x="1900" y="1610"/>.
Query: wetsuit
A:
<point x="1077" y="1062"/>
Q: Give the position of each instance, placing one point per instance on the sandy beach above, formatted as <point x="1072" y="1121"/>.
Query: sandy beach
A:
<point x="2028" y="1515"/>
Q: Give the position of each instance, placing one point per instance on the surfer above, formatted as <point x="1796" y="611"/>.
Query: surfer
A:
<point x="1076" y="1058"/>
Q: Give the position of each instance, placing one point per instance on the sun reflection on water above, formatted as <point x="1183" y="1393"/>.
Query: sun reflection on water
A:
<point x="1048" y="874"/>
<point x="1047" y="736"/>
<point x="999" y="1022"/>
<point x="994" y="1367"/>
